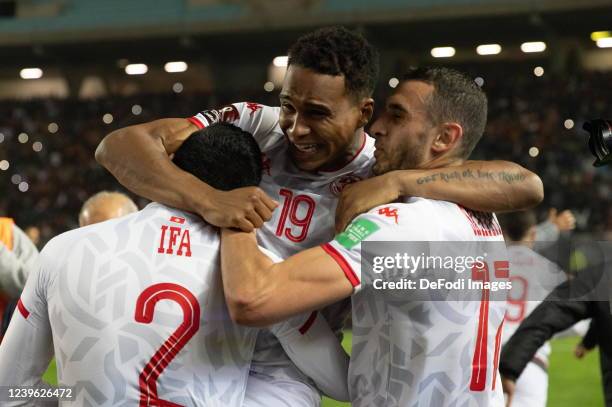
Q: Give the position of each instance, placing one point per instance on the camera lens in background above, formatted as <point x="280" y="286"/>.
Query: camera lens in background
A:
<point x="600" y="140"/>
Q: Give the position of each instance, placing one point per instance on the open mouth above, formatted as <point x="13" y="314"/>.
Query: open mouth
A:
<point x="307" y="148"/>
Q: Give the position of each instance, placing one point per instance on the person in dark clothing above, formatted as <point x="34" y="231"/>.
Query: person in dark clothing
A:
<point x="588" y="342"/>
<point x="586" y="296"/>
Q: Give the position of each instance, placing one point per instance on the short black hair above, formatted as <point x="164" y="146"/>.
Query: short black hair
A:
<point x="339" y="51"/>
<point x="222" y="155"/>
<point x="516" y="224"/>
<point x="457" y="98"/>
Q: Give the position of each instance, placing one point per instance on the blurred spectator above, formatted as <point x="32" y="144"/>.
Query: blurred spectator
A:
<point x="104" y="206"/>
<point x="555" y="224"/>
<point x="18" y="257"/>
<point x="33" y="234"/>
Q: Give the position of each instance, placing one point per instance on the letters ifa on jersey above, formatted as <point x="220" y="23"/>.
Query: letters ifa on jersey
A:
<point x="170" y="239"/>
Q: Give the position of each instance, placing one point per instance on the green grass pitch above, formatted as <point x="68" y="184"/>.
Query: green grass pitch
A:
<point x="572" y="382"/>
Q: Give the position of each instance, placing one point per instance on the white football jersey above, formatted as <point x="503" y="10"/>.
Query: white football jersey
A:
<point x="533" y="277"/>
<point x="136" y="311"/>
<point x="407" y="349"/>
<point x="306" y="215"/>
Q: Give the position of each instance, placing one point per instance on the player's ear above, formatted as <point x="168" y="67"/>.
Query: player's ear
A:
<point x="366" y="111"/>
<point x="448" y="137"/>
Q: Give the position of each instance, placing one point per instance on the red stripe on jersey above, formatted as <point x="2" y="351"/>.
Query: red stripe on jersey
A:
<point x="311" y="319"/>
<point x="479" y="361"/>
<point x="22" y="309"/>
<point x="344" y="265"/>
<point x="467" y="215"/>
<point x="497" y="349"/>
<point x="196" y="122"/>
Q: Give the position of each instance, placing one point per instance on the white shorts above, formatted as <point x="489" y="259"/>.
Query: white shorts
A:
<point x="267" y="391"/>
<point x="531" y="387"/>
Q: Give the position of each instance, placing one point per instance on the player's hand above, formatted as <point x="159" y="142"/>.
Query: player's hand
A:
<point x="580" y="351"/>
<point x="508" y="386"/>
<point x="243" y="208"/>
<point x="364" y="195"/>
<point x="564" y="221"/>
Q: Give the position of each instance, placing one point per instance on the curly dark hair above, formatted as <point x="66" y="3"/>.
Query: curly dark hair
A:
<point x="339" y="51"/>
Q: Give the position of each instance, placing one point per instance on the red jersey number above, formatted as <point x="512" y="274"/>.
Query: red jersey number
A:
<point x="145" y="308"/>
<point x="291" y="205"/>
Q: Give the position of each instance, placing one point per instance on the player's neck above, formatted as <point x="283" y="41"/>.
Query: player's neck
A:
<point x="443" y="161"/>
<point x="349" y="154"/>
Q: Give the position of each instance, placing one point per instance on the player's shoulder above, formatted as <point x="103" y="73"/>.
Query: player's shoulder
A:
<point x="409" y="219"/>
<point x="422" y="219"/>
<point x="254" y="110"/>
<point x="412" y="209"/>
<point x="64" y="242"/>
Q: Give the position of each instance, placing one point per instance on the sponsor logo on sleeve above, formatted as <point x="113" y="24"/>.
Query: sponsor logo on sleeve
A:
<point x="356" y="232"/>
<point x="389" y="212"/>
<point x="253" y="107"/>
<point x="226" y="114"/>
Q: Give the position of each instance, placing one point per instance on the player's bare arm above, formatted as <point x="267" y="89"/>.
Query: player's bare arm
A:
<point x="139" y="157"/>
<point x="259" y="292"/>
<point x="489" y="186"/>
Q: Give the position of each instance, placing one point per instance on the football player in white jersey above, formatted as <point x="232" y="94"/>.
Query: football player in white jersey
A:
<point x="533" y="278"/>
<point x="313" y="145"/>
<point x="407" y="351"/>
<point x="133" y="307"/>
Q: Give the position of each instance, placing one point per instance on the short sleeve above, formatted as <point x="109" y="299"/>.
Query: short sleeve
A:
<point x="345" y="249"/>
<point x="257" y="119"/>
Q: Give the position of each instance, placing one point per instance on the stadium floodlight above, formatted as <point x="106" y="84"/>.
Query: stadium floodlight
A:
<point x="280" y="61"/>
<point x="442" y="52"/>
<point x="175" y="66"/>
<point x="531" y="47"/>
<point x="597" y="35"/>
<point x="488" y="49"/>
<point x="31" y="73"/>
<point x="136" y="69"/>
<point x="604" y="42"/>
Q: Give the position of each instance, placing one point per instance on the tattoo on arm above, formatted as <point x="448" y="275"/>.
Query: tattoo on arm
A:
<point x="509" y="177"/>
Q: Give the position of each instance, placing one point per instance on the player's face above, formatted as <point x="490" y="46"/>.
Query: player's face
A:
<point x="404" y="130"/>
<point x="319" y="119"/>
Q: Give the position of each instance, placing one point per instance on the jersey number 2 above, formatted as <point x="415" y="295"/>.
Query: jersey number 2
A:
<point x="145" y="308"/>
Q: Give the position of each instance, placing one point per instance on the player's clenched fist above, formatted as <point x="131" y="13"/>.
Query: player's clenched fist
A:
<point x="242" y="208"/>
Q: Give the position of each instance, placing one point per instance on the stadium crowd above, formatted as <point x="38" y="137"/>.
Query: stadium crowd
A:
<point x="525" y="111"/>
